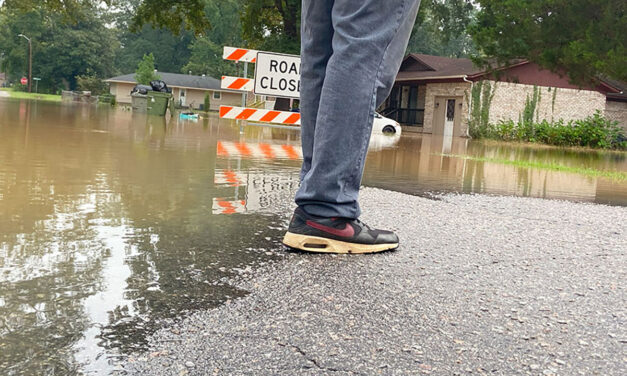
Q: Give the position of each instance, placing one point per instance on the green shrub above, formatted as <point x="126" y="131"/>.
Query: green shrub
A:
<point x="594" y="131"/>
<point x="91" y="82"/>
<point x="207" y="103"/>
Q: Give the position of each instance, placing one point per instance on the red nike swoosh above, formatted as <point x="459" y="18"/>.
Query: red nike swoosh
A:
<point x="347" y="232"/>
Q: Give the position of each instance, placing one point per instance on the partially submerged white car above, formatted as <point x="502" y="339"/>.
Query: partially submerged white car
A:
<point x="385" y="125"/>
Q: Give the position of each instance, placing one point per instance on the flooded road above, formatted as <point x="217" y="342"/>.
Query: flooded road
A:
<point x="113" y="224"/>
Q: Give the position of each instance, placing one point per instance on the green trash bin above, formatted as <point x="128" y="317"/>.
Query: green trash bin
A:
<point x="158" y="102"/>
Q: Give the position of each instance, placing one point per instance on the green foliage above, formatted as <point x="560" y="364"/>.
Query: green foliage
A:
<point x="171" y="52"/>
<point x="594" y="131"/>
<point x="272" y="25"/>
<point x="71" y="10"/>
<point x="482" y="95"/>
<point x="91" y="82"/>
<point x="62" y="48"/>
<point x="553" y="102"/>
<point x="207" y="102"/>
<point x="173" y="15"/>
<point x="530" y="105"/>
<point x="440" y="28"/>
<point x="593" y="172"/>
<point x="146" y="70"/>
<point x="583" y="38"/>
<point x="206" y="51"/>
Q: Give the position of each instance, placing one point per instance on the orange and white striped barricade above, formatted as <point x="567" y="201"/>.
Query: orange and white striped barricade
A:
<point x="237" y="83"/>
<point x="260" y="115"/>
<point x="228" y="149"/>
<point x="276" y="75"/>
<point x="239" y="54"/>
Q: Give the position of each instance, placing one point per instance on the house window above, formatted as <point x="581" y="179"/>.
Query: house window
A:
<point x="217" y="95"/>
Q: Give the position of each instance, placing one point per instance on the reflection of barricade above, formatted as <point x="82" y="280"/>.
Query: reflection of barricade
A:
<point x="258" y="150"/>
<point x="263" y="191"/>
<point x="229" y="177"/>
<point x="222" y="206"/>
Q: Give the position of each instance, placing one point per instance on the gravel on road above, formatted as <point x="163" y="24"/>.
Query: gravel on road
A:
<point x="480" y="285"/>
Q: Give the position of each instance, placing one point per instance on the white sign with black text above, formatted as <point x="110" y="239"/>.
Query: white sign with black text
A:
<point x="277" y="75"/>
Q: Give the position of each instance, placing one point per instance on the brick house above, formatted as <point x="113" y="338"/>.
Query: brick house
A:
<point x="188" y="90"/>
<point x="432" y="94"/>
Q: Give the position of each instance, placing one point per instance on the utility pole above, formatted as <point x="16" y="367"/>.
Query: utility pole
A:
<point x="30" y="62"/>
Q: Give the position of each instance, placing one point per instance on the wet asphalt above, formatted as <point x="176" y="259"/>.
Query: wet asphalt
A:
<point x="480" y="285"/>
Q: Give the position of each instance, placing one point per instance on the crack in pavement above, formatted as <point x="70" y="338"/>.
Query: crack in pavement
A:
<point x="312" y="360"/>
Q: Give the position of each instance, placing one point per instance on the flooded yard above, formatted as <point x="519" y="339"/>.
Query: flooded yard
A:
<point x="113" y="223"/>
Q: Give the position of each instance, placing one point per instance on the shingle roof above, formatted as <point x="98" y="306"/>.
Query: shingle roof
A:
<point x="618" y="85"/>
<point x="176" y="80"/>
<point x="441" y="67"/>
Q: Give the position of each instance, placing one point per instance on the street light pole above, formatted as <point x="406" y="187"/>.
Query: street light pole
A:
<point x="30" y="62"/>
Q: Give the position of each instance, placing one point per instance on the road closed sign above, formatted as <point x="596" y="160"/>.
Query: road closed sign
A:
<point x="277" y="75"/>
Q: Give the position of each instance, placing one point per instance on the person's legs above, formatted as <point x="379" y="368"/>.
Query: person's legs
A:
<point x="316" y="49"/>
<point x="369" y="39"/>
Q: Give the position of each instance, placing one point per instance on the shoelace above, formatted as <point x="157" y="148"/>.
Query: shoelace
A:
<point x="363" y="224"/>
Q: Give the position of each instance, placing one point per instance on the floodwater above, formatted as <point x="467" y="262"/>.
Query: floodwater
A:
<point x="113" y="224"/>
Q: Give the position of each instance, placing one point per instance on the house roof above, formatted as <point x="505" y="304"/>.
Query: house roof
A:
<point x="177" y="80"/>
<point x="420" y="66"/>
<point x="619" y="86"/>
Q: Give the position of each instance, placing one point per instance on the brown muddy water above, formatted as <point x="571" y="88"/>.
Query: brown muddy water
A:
<point x="113" y="224"/>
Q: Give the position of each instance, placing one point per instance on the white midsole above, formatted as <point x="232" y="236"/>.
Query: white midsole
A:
<point x="324" y="245"/>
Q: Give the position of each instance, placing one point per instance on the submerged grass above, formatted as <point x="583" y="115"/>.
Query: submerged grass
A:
<point x="25" y="95"/>
<point x="614" y="175"/>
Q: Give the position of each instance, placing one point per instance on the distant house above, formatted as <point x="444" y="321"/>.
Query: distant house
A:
<point x="432" y="94"/>
<point x="188" y="90"/>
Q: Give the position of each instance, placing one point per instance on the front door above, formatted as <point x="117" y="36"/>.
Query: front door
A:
<point x="449" y="117"/>
<point x="182" y="95"/>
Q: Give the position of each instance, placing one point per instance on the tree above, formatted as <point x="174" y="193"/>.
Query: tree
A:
<point x="272" y="24"/>
<point x="206" y="51"/>
<point x="91" y="82"/>
<point x="73" y="9"/>
<point x="171" y="51"/>
<point x="584" y="38"/>
<point x="440" y="28"/>
<point x="62" y="48"/>
<point x="172" y="14"/>
<point x="146" y="70"/>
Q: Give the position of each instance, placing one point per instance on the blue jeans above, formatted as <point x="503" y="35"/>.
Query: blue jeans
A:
<point x="351" y="51"/>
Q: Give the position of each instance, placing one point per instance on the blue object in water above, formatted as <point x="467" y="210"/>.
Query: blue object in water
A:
<point x="189" y="115"/>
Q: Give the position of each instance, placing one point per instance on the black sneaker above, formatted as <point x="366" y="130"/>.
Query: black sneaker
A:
<point x="336" y="235"/>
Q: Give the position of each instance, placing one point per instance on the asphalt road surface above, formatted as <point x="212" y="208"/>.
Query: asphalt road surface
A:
<point x="480" y="285"/>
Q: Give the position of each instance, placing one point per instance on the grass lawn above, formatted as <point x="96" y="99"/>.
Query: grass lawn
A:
<point x="23" y="95"/>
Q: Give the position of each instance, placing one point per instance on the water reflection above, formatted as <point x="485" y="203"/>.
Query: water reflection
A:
<point x="417" y="166"/>
<point x="107" y="230"/>
<point x="113" y="223"/>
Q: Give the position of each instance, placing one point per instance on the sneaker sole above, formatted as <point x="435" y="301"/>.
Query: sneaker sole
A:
<point x="323" y="245"/>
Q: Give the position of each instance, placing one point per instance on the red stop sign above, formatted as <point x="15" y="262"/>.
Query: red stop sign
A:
<point x="24" y="81"/>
